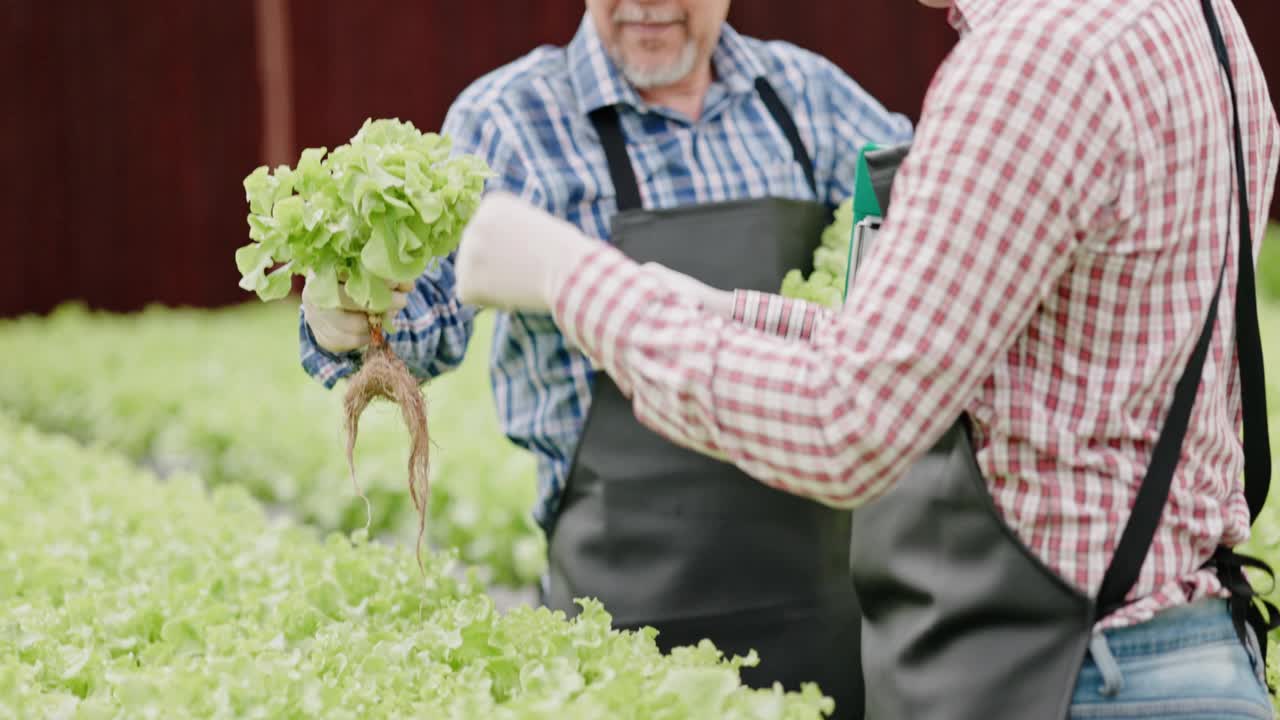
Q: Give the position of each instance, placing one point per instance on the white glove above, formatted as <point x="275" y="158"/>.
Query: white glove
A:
<point x="346" y="328"/>
<point x="514" y="256"/>
<point x="703" y="296"/>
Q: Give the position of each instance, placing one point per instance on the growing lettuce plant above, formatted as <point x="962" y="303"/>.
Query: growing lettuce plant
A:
<point x="369" y="216"/>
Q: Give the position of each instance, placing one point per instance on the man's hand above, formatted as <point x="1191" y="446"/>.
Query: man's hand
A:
<point x="346" y="328"/>
<point x="514" y="256"/>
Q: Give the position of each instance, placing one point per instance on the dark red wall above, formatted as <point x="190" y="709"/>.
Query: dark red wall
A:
<point x="127" y="126"/>
<point x="124" y="132"/>
<point x="413" y="72"/>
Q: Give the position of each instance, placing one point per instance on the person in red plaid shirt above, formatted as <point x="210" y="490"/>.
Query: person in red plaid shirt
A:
<point x="1033" y="394"/>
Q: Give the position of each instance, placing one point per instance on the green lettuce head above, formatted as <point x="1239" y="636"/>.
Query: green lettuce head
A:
<point x="373" y="213"/>
<point x="825" y="285"/>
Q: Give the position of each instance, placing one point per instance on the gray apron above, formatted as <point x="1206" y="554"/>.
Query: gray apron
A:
<point x="962" y="620"/>
<point x="692" y="546"/>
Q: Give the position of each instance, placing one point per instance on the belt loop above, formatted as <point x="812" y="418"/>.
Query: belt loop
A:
<point x="1112" y="678"/>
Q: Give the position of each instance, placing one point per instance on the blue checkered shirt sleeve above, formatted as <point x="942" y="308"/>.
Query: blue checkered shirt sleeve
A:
<point x="432" y="332"/>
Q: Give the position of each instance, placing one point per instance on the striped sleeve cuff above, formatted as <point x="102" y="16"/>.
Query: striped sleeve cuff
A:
<point x="775" y="315"/>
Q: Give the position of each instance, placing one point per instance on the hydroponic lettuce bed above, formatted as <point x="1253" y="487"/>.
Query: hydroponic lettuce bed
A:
<point x="222" y="393"/>
<point x="128" y="597"/>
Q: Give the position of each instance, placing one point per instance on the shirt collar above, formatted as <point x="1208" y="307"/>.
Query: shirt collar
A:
<point x="597" y="81"/>
<point x="966" y="15"/>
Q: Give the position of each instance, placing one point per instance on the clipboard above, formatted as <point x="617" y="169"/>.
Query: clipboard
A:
<point x="872" y="186"/>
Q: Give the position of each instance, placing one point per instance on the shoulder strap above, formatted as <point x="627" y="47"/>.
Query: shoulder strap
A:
<point x="609" y="128"/>
<point x="788" y="125"/>
<point x="1253" y="381"/>
<point x="1138" y="533"/>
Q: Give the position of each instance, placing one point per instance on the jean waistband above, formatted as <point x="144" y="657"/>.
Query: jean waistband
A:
<point x="1202" y="622"/>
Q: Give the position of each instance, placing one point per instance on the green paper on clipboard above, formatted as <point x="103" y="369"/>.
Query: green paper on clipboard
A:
<point x="872" y="185"/>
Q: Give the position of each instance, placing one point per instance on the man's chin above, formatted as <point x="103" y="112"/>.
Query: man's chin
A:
<point x="645" y="70"/>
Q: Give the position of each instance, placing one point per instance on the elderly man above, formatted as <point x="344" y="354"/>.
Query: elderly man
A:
<point x="661" y="130"/>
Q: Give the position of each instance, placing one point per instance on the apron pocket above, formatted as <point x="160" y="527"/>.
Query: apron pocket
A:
<point x="712" y="543"/>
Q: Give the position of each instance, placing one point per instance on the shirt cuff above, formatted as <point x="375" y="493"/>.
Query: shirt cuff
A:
<point x="775" y="315"/>
<point x="321" y="364"/>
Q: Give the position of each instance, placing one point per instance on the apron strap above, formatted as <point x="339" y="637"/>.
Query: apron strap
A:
<point x="609" y="127"/>
<point x="1253" y="381"/>
<point x="788" y="125"/>
<point x="1138" y="533"/>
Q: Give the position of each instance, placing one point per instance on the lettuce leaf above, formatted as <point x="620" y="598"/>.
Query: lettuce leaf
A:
<point x="142" y="598"/>
<point x="382" y="206"/>
<point x="825" y="285"/>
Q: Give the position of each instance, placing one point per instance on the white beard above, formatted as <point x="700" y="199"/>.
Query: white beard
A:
<point x="647" y="78"/>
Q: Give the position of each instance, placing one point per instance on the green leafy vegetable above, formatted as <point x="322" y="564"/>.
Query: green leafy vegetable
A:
<point x="219" y="392"/>
<point x="1269" y="263"/>
<point x="371" y="216"/>
<point x="373" y="213"/>
<point x="825" y="285"/>
<point x="129" y="597"/>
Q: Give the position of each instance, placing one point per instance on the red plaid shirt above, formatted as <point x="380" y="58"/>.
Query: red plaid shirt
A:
<point x="1054" y="244"/>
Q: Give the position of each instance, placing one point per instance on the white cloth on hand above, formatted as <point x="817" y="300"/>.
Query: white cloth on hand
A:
<point x="346" y="328"/>
<point x="515" y="256"/>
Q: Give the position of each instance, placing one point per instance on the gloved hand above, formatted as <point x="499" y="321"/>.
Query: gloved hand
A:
<point x="712" y="300"/>
<point x="346" y="328"/>
<point x="514" y="256"/>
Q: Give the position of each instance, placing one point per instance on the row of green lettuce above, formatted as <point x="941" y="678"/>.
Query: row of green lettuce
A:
<point x="222" y="393"/>
<point x="127" y="596"/>
<point x="1269" y="263"/>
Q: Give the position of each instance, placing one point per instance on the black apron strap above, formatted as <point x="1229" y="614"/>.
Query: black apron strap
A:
<point x="1154" y="491"/>
<point x="788" y="125"/>
<point x="1245" y="601"/>
<point x="609" y="127"/>
<point x="1253" y="381"/>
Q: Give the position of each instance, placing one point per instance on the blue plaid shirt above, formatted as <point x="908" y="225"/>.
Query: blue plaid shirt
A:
<point x="529" y="121"/>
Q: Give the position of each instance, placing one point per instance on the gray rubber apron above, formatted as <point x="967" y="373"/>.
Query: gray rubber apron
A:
<point x="692" y="546"/>
<point x="962" y="620"/>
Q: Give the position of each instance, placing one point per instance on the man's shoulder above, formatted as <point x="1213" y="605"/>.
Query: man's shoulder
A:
<point x="830" y="92"/>
<point x="790" y="64"/>
<point x="536" y="80"/>
<point x="1053" y="30"/>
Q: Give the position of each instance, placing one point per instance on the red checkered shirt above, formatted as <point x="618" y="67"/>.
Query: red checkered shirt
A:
<point x="1054" y="244"/>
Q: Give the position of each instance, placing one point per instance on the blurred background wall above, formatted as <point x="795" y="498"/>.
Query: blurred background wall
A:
<point x="127" y="126"/>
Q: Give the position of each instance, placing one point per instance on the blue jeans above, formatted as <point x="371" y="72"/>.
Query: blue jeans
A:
<point x="1186" y="663"/>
